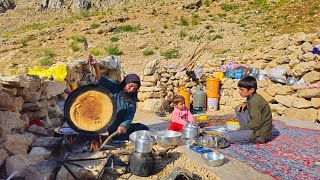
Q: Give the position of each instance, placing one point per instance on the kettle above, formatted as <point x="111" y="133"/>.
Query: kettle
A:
<point x="190" y="131"/>
<point x="144" y="143"/>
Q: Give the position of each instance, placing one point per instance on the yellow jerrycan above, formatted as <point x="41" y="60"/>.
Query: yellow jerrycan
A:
<point x="183" y="92"/>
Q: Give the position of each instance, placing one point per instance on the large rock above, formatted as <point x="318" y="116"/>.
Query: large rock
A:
<point x="315" y="102"/>
<point x="145" y="95"/>
<point x="56" y="88"/>
<point x="284" y="90"/>
<point x="266" y="96"/>
<point x="37" y="130"/>
<point x="306" y="47"/>
<point x="16" y="144"/>
<point x="272" y="90"/>
<point x="150" y="89"/>
<point x="301" y="103"/>
<point x="52" y="4"/>
<point x="301" y="114"/>
<point x="80" y="5"/>
<point x="41" y="151"/>
<point x="5" y="101"/>
<point x="33" y="81"/>
<point x="11" y="120"/>
<point x="150" y="67"/>
<point x="45" y="170"/>
<point x="150" y="78"/>
<point x="278" y="108"/>
<point x="308" y="93"/>
<point x="192" y="4"/>
<point x="12" y="91"/>
<point x="13" y="81"/>
<point x="20" y="163"/>
<point x="311" y="77"/>
<point x="49" y="142"/>
<point x="3" y="156"/>
<point x="16" y="104"/>
<point x="152" y="105"/>
<point x="303" y="68"/>
<point x="285" y="100"/>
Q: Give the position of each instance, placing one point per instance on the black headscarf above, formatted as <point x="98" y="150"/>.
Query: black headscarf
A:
<point x="130" y="97"/>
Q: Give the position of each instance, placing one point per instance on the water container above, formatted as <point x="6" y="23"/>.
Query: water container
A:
<point x="213" y="86"/>
<point x="199" y="99"/>
<point x="183" y="92"/>
<point x="213" y="102"/>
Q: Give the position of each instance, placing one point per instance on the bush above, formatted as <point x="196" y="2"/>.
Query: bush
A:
<point x="126" y="28"/>
<point x="229" y="7"/>
<point x="94" y="51"/>
<point x="114" y="39"/>
<point x="45" y="61"/>
<point x="183" y="21"/>
<point x="78" y="39"/>
<point x="148" y="52"/>
<point x="113" y="50"/>
<point x="171" y="54"/>
<point x="95" y="25"/>
<point x="26" y="39"/>
<point x="74" y="47"/>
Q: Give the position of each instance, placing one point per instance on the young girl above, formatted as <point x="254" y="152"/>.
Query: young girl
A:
<point x="180" y="115"/>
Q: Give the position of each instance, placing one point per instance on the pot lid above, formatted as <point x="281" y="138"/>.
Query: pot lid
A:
<point x="144" y="138"/>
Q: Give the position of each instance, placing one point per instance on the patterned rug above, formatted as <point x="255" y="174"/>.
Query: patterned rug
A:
<point x="294" y="153"/>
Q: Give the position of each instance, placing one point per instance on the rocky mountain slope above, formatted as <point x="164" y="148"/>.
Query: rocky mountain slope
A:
<point x="44" y="32"/>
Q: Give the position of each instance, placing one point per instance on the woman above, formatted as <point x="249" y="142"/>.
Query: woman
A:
<point x="126" y="97"/>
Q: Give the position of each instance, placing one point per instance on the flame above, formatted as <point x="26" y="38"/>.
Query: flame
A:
<point x="94" y="145"/>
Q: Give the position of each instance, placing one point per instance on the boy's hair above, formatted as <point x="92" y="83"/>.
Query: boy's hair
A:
<point x="177" y="99"/>
<point x="248" y="82"/>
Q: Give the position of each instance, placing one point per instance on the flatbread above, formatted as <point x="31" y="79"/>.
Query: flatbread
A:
<point x="91" y="111"/>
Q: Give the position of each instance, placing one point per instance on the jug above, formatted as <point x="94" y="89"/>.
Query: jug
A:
<point x="190" y="131"/>
<point x="199" y="99"/>
<point x="185" y="94"/>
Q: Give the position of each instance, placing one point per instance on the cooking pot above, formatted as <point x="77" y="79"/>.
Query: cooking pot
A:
<point x="190" y="131"/>
<point x="144" y="143"/>
<point x="90" y="109"/>
<point x="254" y="70"/>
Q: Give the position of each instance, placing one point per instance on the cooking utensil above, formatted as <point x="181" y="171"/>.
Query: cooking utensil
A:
<point x="143" y="143"/>
<point x="82" y="100"/>
<point x="292" y="80"/>
<point x="65" y="131"/>
<point x="261" y="76"/>
<point x="279" y="80"/>
<point x="254" y="70"/>
<point x="213" y="158"/>
<point x="166" y="138"/>
<point x="133" y="136"/>
<point x="190" y="131"/>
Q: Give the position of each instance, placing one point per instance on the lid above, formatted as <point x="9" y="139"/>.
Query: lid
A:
<point x="144" y="138"/>
<point x="189" y="125"/>
<point x="203" y="118"/>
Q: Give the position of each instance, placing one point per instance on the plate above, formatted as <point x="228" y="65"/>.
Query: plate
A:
<point x="220" y="129"/>
<point x="65" y="130"/>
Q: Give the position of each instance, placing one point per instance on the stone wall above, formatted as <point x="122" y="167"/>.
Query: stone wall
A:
<point x="292" y="52"/>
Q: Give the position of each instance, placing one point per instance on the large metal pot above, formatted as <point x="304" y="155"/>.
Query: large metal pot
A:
<point x="190" y="131"/>
<point x="144" y="143"/>
<point x="167" y="138"/>
<point x="90" y="109"/>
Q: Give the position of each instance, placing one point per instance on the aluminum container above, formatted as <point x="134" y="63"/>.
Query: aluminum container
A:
<point x="144" y="143"/>
<point x="167" y="138"/>
<point x="190" y="131"/>
<point x="213" y="158"/>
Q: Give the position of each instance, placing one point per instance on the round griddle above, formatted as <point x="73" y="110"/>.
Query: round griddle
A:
<point x="90" y="109"/>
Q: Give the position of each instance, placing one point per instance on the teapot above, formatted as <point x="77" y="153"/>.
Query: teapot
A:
<point x="190" y="131"/>
<point x="144" y="143"/>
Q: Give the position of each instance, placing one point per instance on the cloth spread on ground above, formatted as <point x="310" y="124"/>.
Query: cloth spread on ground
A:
<point x="293" y="153"/>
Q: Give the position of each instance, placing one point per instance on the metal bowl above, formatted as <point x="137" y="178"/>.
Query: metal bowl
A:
<point x="167" y="138"/>
<point x="279" y="80"/>
<point x="133" y="136"/>
<point x="213" y="158"/>
<point x="261" y="76"/>
<point x="292" y="80"/>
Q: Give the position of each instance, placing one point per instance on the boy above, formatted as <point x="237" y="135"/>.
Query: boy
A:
<point x="254" y="116"/>
<point x="180" y="115"/>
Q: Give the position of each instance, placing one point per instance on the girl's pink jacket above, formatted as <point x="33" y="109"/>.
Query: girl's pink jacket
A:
<point x="182" y="117"/>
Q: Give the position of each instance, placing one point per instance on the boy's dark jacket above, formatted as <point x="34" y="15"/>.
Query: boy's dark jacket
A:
<point x="261" y="118"/>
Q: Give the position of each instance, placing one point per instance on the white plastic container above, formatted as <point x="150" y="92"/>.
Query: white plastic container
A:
<point x="212" y="104"/>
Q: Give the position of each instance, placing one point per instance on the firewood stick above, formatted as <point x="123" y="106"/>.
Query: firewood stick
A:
<point x="108" y="139"/>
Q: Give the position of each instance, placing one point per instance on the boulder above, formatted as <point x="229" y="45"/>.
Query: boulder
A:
<point x="81" y="5"/>
<point x="285" y="100"/>
<point x="6" y="5"/>
<point x="45" y="170"/>
<point x="278" y="108"/>
<point x="37" y="130"/>
<point x="5" y="100"/>
<point x="302" y="68"/>
<point x="150" y="78"/>
<point x="16" y="104"/>
<point x="151" y="67"/>
<point x="3" y="156"/>
<point x="152" y="105"/>
<point x="308" y="93"/>
<point x="145" y="95"/>
<point x="301" y="103"/>
<point x="20" y="163"/>
<point x="284" y="90"/>
<point x="301" y="114"/>
<point x="315" y="102"/>
<point x="11" y="120"/>
<point x="41" y="151"/>
<point x="55" y="88"/>
<point x="48" y="142"/>
<point x="16" y="144"/>
<point x="11" y="91"/>
<point x="311" y="77"/>
<point x="13" y="81"/>
<point x="192" y="4"/>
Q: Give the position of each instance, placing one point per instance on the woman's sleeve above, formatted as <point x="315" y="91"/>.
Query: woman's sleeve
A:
<point x="108" y="83"/>
<point x="128" y="117"/>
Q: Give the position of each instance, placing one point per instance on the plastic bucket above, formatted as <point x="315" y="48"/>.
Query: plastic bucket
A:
<point x="213" y="85"/>
<point x="213" y="102"/>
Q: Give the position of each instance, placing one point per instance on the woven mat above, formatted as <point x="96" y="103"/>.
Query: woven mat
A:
<point x="293" y="153"/>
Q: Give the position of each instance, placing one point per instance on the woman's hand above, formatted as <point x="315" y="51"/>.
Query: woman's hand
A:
<point x="121" y="130"/>
<point x="91" y="60"/>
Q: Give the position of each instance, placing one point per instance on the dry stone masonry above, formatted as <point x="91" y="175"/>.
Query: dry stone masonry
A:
<point x="291" y="52"/>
